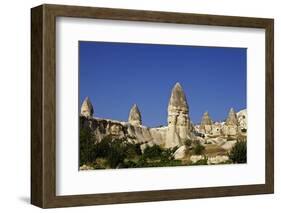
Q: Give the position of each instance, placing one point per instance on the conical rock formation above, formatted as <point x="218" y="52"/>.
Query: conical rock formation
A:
<point x="230" y="127"/>
<point x="206" y="120"/>
<point x="178" y="118"/>
<point x="232" y="118"/>
<point x="135" y="116"/>
<point x="87" y="109"/>
<point x="177" y="100"/>
<point x="206" y="123"/>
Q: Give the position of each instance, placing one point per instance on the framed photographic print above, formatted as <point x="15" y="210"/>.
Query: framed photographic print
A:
<point x="136" y="106"/>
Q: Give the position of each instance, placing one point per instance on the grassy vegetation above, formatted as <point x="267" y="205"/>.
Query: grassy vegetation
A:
<point x="200" y="162"/>
<point x="118" y="153"/>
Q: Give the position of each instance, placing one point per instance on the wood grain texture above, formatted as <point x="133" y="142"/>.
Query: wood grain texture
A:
<point x="43" y="105"/>
<point x="36" y="106"/>
<point x="269" y="106"/>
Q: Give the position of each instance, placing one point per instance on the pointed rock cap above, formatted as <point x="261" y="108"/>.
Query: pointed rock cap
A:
<point x="87" y="109"/>
<point x="135" y="116"/>
<point x="232" y="118"/>
<point x="206" y="120"/>
<point x="178" y="99"/>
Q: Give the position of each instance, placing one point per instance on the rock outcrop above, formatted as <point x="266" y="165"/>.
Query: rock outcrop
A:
<point x="117" y="129"/>
<point x="180" y="153"/>
<point x="232" y="118"/>
<point x="230" y="127"/>
<point x="242" y="121"/>
<point x="206" y="123"/>
<point x="135" y="116"/>
<point x="178" y="131"/>
<point x="87" y="109"/>
<point x="178" y="118"/>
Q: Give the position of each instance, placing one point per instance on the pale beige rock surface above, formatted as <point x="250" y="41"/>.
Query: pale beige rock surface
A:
<point x="135" y="116"/>
<point x="180" y="153"/>
<point x="232" y="118"/>
<point x="178" y="118"/>
<point x="87" y="109"/>
<point x="178" y="131"/>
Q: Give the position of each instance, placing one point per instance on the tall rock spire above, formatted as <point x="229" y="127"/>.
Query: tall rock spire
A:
<point x="178" y="118"/>
<point x="87" y="109"/>
<point x="177" y="99"/>
<point x="230" y="128"/>
<point x="232" y="118"/>
<point x="206" y="123"/>
<point x="135" y="116"/>
<point x="206" y="120"/>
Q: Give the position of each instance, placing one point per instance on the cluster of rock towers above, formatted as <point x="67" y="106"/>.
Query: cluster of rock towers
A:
<point x="235" y="123"/>
<point x="179" y="126"/>
<point x="178" y="129"/>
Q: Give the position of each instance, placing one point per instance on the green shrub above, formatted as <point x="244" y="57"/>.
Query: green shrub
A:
<point x="113" y="151"/>
<point x="86" y="146"/>
<point x="167" y="155"/>
<point x="152" y="152"/>
<point x="200" y="162"/>
<point x="238" y="153"/>
<point x="132" y="150"/>
<point x="198" y="149"/>
<point x="142" y="162"/>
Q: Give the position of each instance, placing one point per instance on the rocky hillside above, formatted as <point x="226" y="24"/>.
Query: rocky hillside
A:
<point x="216" y="137"/>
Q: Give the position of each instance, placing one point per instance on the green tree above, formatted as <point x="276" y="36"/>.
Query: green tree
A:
<point x="152" y="152"/>
<point x="198" y="149"/>
<point x="87" y="146"/>
<point x="238" y="153"/>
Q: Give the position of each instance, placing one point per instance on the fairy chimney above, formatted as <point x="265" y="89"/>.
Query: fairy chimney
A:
<point x="206" y="123"/>
<point x="206" y="120"/>
<point x="135" y="116"/>
<point x="87" y="108"/>
<point x="178" y="118"/>
<point x="230" y="127"/>
<point x="232" y="118"/>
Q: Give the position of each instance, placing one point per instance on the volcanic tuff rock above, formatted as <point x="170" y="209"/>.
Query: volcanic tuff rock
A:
<point x="87" y="109"/>
<point x="135" y="116"/>
<point x="206" y="123"/>
<point x="232" y="118"/>
<point x="181" y="152"/>
<point x="178" y="118"/>
<point x="206" y="120"/>
<point x="230" y="127"/>
<point x="242" y="119"/>
<point x="117" y="129"/>
<point x="178" y="131"/>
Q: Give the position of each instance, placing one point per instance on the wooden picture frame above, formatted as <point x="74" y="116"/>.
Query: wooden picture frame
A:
<point x="43" y="105"/>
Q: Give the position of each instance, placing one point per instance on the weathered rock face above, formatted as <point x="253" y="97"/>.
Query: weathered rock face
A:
<point x="230" y="127"/>
<point x="135" y="116"/>
<point x="178" y="118"/>
<point x="216" y="129"/>
<point x="175" y="134"/>
<point x="117" y="129"/>
<point x="242" y="121"/>
<point x="181" y="152"/>
<point x="206" y="123"/>
<point x="232" y="118"/>
<point x="87" y="109"/>
<point x="235" y="125"/>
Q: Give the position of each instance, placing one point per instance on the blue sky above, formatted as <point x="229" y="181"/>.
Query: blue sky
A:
<point x="117" y="75"/>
